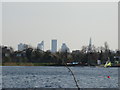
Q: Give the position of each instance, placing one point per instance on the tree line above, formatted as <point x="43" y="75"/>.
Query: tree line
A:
<point x="34" y="55"/>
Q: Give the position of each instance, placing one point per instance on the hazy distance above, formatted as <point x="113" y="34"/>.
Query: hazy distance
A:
<point x="72" y="23"/>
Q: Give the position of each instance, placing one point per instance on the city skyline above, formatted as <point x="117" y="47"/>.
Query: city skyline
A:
<point x="54" y="46"/>
<point x="71" y="23"/>
<point x="89" y="44"/>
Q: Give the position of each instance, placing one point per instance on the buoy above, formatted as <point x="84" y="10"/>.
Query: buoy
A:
<point x="108" y="76"/>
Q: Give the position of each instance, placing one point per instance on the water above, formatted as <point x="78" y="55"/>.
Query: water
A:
<point x="58" y="77"/>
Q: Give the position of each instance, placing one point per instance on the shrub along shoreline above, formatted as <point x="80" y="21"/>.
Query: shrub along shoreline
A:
<point x="29" y="64"/>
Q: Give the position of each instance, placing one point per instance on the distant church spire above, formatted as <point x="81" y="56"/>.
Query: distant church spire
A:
<point x="90" y="45"/>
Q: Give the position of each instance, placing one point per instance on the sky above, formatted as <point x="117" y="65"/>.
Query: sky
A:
<point x="72" y="23"/>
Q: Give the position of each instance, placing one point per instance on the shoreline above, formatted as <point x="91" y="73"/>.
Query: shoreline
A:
<point x="47" y="64"/>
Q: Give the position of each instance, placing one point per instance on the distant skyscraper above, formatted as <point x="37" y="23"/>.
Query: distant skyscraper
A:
<point x="54" y="46"/>
<point x="22" y="47"/>
<point x="64" y="48"/>
<point x="40" y="46"/>
<point x="90" y="46"/>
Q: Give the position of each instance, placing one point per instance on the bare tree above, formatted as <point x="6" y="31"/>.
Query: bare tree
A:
<point x="106" y="46"/>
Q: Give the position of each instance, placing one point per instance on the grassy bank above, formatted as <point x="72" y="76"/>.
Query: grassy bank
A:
<point x="29" y="64"/>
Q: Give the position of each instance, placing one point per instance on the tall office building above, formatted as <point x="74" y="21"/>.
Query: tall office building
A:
<point x="54" y="46"/>
<point x="22" y="47"/>
<point x="64" y="48"/>
<point x="40" y="46"/>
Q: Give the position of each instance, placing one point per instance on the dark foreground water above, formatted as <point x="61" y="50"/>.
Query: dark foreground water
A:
<point x="58" y="77"/>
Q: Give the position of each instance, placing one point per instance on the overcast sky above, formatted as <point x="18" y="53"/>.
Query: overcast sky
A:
<point x="72" y="23"/>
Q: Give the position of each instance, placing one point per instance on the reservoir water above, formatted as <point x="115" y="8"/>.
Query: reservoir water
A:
<point x="58" y="77"/>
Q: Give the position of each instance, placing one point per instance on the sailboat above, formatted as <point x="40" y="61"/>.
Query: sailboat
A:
<point x="108" y="64"/>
